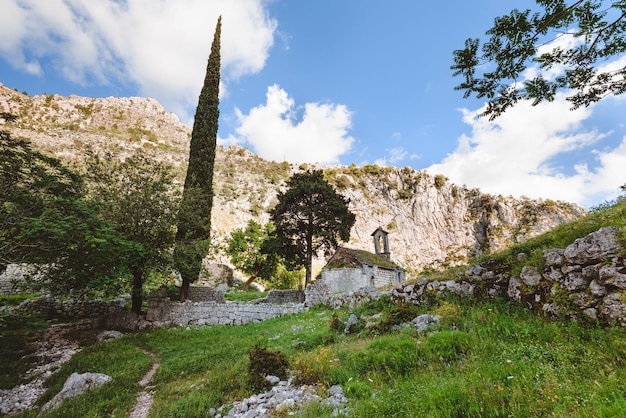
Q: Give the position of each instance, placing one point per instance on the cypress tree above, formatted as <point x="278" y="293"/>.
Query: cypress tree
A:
<point x="194" y="219"/>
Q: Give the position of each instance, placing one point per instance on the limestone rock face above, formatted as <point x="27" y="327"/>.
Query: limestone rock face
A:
<point x="430" y="221"/>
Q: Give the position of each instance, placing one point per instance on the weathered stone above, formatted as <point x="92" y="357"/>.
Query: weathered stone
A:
<point x="474" y="271"/>
<point x="108" y="335"/>
<point x="530" y="276"/>
<point x="554" y="257"/>
<point x="591" y="272"/>
<point x="553" y="274"/>
<point x="591" y="313"/>
<point x="597" y="289"/>
<point x="352" y="321"/>
<point x="514" y="289"/>
<point x="594" y="247"/>
<point x="583" y="300"/>
<point x="613" y="276"/>
<point x="571" y="268"/>
<point x="614" y="309"/>
<point x="75" y="385"/>
<point x="425" y="322"/>
<point x="574" y="282"/>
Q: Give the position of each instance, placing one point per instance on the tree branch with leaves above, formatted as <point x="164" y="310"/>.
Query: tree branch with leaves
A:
<point x="522" y="39"/>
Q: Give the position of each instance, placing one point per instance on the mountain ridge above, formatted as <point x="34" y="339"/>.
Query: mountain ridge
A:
<point x="432" y="223"/>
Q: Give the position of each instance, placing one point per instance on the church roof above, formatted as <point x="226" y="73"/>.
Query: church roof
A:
<point x="351" y="258"/>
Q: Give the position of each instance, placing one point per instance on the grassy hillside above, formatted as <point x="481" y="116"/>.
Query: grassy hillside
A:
<point x="483" y="359"/>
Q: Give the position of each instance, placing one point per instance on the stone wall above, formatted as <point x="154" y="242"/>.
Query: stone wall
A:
<point x="163" y="312"/>
<point x="585" y="281"/>
<point x="282" y="296"/>
<point x="205" y="294"/>
<point x="344" y="279"/>
<point x="51" y="308"/>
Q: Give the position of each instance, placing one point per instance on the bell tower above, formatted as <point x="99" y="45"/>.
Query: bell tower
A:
<point x="381" y="242"/>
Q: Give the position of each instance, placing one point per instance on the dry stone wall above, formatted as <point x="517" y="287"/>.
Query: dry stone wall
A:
<point x="585" y="281"/>
<point x="163" y="312"/>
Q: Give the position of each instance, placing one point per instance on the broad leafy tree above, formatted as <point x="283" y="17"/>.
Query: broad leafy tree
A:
<point x="137" y="196"/>
<point x="46" y="221"/>
<point x="194" y="220"/>
<point x="310" y="217"/>
<point x="253" y="250"/>
<point x="597" y="32"/>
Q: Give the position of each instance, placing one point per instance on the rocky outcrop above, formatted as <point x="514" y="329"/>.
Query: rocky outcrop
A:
<point x="431" y="222"/>
<point x="585" y="281"/>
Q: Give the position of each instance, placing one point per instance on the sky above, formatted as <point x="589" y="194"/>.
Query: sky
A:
<point x="325" y="81"/>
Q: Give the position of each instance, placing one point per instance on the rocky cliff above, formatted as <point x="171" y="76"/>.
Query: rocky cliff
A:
<point x="431" y="221"/>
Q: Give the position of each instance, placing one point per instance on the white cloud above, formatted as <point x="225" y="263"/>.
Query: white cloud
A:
<point x="161" y="46"/>
<point x="395" y="156"/>
<point x="275" y="131"/>
<point x="513" y="154"/>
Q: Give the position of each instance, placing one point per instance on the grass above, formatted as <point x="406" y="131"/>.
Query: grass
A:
<point x="244" y="296"/>
<point x="498" y="360"/>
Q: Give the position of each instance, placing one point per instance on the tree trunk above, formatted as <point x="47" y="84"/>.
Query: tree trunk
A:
<point x="184" y="290"/>
<point x="248" y="282"/>
<point x="309" y="259"/>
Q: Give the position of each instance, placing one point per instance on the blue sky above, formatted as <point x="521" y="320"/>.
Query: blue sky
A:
<point x="342" y="81"/>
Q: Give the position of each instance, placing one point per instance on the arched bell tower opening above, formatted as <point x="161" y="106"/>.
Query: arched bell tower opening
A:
<point x="381" y="243"/>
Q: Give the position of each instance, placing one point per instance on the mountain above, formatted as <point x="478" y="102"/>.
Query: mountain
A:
<point x="431" y="222"/>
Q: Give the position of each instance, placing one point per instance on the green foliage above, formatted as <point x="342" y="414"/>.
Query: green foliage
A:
<point x="310" y="217"/>
<point x="265" y="362"/>
<point x="253" y="250"/>
<point x="244" y="296"/>
<point x="598" y="27"/>
<point x="46" y="220"/>
<point x="194" y="221"/>
<point x="137" y="196"/>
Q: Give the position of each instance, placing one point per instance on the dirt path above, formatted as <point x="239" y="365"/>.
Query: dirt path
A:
<point x="144" y="398"/>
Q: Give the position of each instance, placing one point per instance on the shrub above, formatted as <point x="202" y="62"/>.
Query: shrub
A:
<point x="399" y="314"/>
<point x="448" y="313"/>
<point x="265" y="362"/>
<point x="315" y="366"/>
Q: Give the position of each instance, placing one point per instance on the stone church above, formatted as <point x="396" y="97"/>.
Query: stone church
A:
<point x="350" y="269"/>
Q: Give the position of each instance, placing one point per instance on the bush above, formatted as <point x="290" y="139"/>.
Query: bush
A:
<point x="265" y="362"/>
<point x="315" y="366"/>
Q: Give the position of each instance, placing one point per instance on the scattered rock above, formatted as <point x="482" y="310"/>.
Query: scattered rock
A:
<point x="110" y="335"/>
<point x="75" y="385"/>
<point x="425" y="322"/>
<point x="283" y="399"/>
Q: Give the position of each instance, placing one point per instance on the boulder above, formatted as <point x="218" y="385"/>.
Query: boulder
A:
<point x="530" y="276"/>
<point x="75" y="385"/>
<point x="593" y="248"/>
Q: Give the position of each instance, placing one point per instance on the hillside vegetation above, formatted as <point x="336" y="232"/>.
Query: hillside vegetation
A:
<point x="485" y="358"/>
<point x="432" y="223"/>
